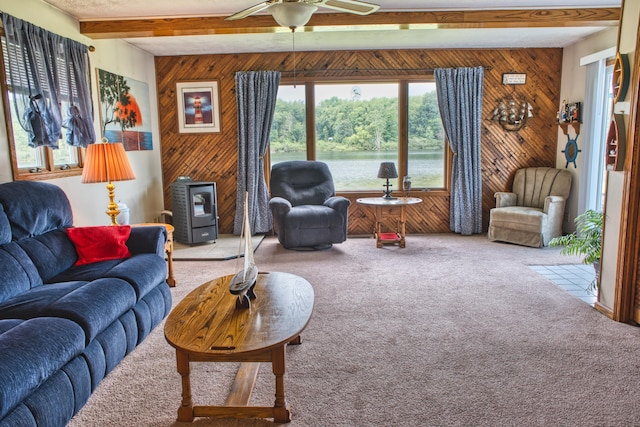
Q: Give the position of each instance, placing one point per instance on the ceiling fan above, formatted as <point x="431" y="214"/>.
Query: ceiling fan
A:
<point x="296" y="13"/>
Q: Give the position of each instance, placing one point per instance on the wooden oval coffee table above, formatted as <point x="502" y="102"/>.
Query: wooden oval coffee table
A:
<point x="206" y="327"/>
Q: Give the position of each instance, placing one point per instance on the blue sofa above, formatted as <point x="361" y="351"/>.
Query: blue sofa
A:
<point x="63" y="328"/>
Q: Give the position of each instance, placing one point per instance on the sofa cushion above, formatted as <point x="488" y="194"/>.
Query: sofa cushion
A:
<point x="5" y="228"/>
<point x="86" y="272"/>
<point x="533" y="185"/>
<point x="93" y="305"/>
<point x="302" y="182"/>
<point x="17" y="271"/>
<point x="519" y="218"/>
<point x="51" y="253"/>
<point x="143" y="272"/>
<point x="95" y="244"/>
<point x="34" y="208"/>
<point x="312" y="216"/>
<point x="6" y="324"/>
<point x="32" y="351"/>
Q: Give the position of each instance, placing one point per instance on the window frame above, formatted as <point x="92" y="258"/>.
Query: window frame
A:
<point x="403" y="128"/>
<point x="49" y="169"/>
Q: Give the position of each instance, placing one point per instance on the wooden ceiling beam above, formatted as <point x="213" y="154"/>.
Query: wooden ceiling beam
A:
<point x="181" y="26"/>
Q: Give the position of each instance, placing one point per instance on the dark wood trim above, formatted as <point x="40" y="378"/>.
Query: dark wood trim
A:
<point x="6" y="105"/>
<point x="403" y="130"/>
<point x="603" y="310"/>
<point x="210" y="25"/>
<point x="310" y="97"/>
<point x="624" y="309"/>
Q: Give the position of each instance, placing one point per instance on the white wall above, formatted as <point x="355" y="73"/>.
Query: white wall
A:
<point x="615" y="182"/>
<point x="573" y="90"/>
<point x="89" y="201"/>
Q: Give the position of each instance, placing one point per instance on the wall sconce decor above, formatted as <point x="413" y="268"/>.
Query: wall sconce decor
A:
<point x="512" y="113"/>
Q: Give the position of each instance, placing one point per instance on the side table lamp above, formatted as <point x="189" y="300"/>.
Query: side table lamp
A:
<point x="107" y="162"/>
<point x="387" y="170"/>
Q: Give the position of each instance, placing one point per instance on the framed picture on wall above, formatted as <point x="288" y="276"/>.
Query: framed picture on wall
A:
<point x="574" y="112"/>
<point x="125" y="113"/>
<point x="198" y="107"/>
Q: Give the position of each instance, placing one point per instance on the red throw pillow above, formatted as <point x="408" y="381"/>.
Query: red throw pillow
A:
<point x="94" y="244"/>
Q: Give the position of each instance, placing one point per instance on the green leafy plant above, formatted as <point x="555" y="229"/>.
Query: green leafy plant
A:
<point x="586" y="241"/>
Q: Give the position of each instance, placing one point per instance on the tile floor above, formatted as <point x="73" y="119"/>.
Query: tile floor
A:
<point x="575" y="279"/>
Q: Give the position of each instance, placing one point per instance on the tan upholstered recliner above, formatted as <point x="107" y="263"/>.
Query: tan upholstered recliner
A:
<point x="532" y="213"/>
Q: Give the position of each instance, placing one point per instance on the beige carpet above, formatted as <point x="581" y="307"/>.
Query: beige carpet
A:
<point x="227" y="246"/>
<point x="449" y="331"/>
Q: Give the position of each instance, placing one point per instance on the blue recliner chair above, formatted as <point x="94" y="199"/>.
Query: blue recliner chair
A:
<point x="307" y="214"/>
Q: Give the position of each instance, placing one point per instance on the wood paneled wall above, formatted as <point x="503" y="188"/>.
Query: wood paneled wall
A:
<point x="213" y="156"/>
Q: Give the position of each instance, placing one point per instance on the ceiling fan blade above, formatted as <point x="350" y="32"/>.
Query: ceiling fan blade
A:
<point x="350" y="6"/>
<point x="250" y="10"/>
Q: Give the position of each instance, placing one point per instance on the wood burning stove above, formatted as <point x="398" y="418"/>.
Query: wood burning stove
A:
<point x="195" y="211"/>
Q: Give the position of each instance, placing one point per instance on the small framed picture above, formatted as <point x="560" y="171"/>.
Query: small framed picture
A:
<point x="574" y="113"/>
<point x="514" y="78"/>
<point x="198" y="107"/>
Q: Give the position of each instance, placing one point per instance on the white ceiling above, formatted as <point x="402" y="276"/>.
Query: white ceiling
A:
<point x="344" y="38"/>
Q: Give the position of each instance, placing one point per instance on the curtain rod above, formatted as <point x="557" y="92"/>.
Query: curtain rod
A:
<point x="357" y="70"/>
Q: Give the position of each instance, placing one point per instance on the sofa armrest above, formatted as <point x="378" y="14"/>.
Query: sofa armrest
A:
<point x="552" y="204"/>
<point x="505" y="199"/>
<point x="338" y="203"/>
<point x="147" y="239"/>
<point x="554" y="208"/>
<point x="279" y="206"/>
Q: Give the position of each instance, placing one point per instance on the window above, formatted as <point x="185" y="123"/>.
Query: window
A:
<point x="288" y="131"/>
<point x="356" y="129"/>
<point x="38" y="161"/>
<point x="426" y="145"/>
<point x="47" y="100"/>
<point x="357" y="126"/>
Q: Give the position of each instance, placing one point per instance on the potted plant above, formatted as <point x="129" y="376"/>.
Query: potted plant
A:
<point x="586" y="241"/>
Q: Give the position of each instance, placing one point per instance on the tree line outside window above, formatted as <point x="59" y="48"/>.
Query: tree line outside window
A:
<point x="357" y="126"/>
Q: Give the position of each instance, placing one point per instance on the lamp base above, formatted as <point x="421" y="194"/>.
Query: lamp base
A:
<point x="112" y="207"/>
<point x="387" y="192"/>
<point x="388" y="197"/>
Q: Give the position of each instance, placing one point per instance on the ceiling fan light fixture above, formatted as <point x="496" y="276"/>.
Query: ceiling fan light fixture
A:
<point x="292" y="14"/>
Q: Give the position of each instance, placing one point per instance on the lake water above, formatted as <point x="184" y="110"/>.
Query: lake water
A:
<point x="354" y="171"/>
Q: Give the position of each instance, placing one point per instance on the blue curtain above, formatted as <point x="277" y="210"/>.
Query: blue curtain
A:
<point x="256" y="93"/>
<point x="43" y="70"/>
<point x="460" y="104"/>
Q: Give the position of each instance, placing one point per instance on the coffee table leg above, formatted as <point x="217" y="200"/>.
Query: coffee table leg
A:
<point x="281" y="413"/>
<point x="185" y="411"/>
<point x="296" y="341"/>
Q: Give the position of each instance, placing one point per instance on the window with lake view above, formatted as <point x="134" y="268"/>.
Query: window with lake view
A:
<point x="357" y="126"/>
